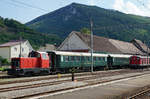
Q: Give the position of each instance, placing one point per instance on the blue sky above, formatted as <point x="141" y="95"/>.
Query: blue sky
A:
<point x="22" y="13"/>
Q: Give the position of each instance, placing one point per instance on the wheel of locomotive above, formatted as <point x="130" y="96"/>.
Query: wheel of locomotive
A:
<point x="28" y="74"/>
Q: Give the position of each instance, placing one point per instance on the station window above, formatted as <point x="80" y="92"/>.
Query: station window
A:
<point x="22" y="49"/>
<point x="15" y="49"/>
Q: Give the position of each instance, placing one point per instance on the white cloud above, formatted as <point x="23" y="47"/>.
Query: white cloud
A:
<point x="132" y="8"/>
<point x="148" y="4"/>
<point x="92" y="2"/>
<point x="119" y="4"/>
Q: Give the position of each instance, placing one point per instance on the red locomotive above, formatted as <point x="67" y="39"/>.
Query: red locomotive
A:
<point x="36" y="63"/>
<point x="139" y="61"/>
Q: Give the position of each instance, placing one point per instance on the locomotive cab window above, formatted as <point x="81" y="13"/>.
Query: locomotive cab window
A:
<point x="44" y="56"/>
<point x="34" y="54"/>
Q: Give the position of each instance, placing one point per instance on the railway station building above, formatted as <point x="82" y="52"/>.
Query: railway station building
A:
<point x="80" y="42"/>
<point x="15" y="48"/>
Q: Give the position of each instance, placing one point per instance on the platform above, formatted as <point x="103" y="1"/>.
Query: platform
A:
<point x="104" y="91"/>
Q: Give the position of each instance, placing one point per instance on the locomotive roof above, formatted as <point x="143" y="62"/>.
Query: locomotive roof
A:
<point x="89" y="54"/>
<point x="141" y="56"/>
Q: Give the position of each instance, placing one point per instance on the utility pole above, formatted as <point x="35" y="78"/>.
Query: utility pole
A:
<point x="91" y="45"/>
<point x="20" y="46"/>
<point x="147" y="52"/>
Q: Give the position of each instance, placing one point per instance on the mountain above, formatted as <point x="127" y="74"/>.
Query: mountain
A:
<point x="106" y="22"/>
<point x="12" y="30"/>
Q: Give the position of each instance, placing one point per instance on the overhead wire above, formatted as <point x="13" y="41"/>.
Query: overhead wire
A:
<point x="35" y="7"/>
<point x="10" y="3"/>
<point x="14" y="2"/>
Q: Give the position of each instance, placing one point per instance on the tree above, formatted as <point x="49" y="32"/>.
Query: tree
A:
<point x="85" y="31"/>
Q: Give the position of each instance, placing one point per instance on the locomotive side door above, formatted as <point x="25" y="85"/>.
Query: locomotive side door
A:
<point x="45" y="63"/>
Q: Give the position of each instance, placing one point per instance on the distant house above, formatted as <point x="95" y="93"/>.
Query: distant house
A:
<point x="15" y="48"/>
<point x="47" y="47"/>
<point x="80" y="42"/>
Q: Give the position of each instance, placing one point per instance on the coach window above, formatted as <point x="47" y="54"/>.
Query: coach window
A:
<point x="103" y="59"/>
<point x="66" y="58"/>
<point x="82" y="58"/>
<point x="85" y="59"/>
<point x="72" y="58"/>
<point x="94" y="58"/>
<point x="99" y="58"/>
<point x="78" y="58"/>
<point x="62" y="58"/>
<point x="88" y="58"/>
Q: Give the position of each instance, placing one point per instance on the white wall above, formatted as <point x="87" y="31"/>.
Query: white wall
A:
<point x="4" y="52"/>
<point x="25" y="49"/>
<point x="73" y="43"/>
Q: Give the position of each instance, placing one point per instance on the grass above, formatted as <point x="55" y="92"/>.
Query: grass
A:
<point x="4" y="68"/>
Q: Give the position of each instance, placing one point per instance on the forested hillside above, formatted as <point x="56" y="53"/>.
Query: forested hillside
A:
<point x="12" y="30"/>
<point x="107" y="23"/>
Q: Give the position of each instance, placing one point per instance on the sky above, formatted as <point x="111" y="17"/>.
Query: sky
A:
<point x="26" y="10"/>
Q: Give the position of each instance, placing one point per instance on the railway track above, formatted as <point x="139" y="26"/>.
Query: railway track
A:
<point x="92" y="82"/>
<point x="82" y="78"/>
<point x="42" y="84"/>
<point x="140" y="94"/>
<point x="31" y="79"/>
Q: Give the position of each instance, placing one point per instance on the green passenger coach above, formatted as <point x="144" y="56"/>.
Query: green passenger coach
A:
<point x="63" y="61"/>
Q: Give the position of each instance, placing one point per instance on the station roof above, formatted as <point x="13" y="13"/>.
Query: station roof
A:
<point x="12" y="43"/>
<point x="103" y="44"/>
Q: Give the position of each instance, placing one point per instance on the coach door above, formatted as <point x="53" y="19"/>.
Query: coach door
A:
<point x="109" y="61"/>
<point x="52" y="57"/>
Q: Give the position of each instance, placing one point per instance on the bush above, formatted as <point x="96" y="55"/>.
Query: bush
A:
<point x="3" y="61"/>
<point x="2" y="69"/>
